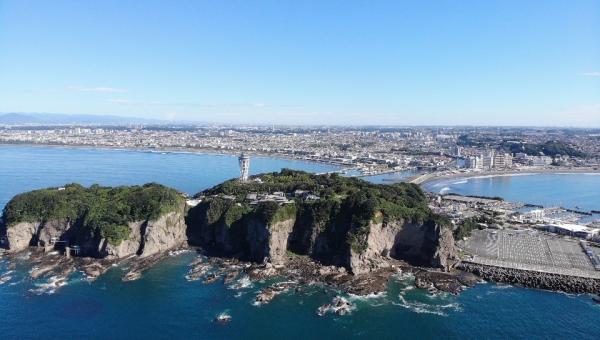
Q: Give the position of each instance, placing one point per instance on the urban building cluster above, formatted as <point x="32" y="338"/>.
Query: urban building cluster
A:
<point x="369" y="150"/>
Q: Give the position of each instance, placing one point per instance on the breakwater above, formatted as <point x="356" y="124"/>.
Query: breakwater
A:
<point x="533" y="279"/>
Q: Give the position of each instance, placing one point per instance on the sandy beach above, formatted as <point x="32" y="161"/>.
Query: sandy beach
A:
<point x="426" y="178"/>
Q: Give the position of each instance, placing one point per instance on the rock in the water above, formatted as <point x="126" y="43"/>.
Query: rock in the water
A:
<point x="338" y="306"/>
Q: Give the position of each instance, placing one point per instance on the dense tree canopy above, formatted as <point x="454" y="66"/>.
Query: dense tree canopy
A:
<point x="345" y="208"/>
<point x="104" y="211"/>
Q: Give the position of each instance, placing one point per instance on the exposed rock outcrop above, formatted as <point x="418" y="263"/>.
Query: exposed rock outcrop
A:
<point x="425" y="244"/>
<point x="145" y="238"/>
<point x="268" y="240"/>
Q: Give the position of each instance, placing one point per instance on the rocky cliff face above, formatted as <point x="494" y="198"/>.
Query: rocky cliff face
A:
<point x="22" y="235"/>
<point x="146" y="237"/>
<point x="269" y="241"/>
<point x="426" y="244"/>
<point x="252" y="240"/>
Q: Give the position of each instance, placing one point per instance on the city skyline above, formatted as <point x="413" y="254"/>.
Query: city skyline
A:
<point x="507" y="64"/>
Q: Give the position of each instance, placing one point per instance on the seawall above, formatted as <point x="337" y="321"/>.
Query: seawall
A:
<point x="533" y="279"/>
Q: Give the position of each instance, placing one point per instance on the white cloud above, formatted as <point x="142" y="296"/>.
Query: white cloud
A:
<point x="591" y="74"/>
<point x="120" y="101"/>
<point x="98" y="89"/>
<point x="134" y="102"/>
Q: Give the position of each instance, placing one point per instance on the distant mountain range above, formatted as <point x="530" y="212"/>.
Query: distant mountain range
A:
<point x="66" y="119"/>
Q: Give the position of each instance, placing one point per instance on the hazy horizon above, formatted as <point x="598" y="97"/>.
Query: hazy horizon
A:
<point x="439" y="63"/>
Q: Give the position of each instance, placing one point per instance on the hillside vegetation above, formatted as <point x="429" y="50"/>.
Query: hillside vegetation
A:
<point x="103" y="211"/>
<point x="344" y="210"/>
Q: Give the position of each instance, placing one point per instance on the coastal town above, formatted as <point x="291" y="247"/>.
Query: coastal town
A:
<point x="497" y="239"/>
<point x="366" y="150"/>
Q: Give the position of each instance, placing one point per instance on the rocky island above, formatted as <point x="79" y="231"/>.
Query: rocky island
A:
<point x="307" y="228"/>
<point x="335" y="220"/>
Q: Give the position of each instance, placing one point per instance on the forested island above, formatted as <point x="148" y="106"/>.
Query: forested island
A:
<point x="100" y="221"/>
<point x="282" y="223"/>
<point x="336" y="220"/>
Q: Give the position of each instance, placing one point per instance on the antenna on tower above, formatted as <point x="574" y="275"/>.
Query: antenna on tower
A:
<point x="244" y="167"/>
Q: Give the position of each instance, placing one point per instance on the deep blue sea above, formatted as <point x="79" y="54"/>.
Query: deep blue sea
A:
<point x="163" y="305"/>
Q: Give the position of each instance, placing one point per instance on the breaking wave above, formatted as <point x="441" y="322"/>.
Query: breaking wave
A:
<point x="49" y="287"/>
<point x="424" y="308"/>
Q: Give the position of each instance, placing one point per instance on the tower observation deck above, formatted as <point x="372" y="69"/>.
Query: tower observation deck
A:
<point x="244" y="167"/>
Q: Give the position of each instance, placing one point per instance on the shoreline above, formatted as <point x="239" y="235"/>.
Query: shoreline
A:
<point x="533" y="279"/>
<point x="184" y="150"/>
<point x="179" y="150"/>
<point x="429" y="178"/>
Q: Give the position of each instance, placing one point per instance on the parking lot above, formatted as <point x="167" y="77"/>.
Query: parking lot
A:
<point x="529" y="250"/>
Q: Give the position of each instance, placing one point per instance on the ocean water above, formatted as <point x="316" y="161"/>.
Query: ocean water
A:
<point x="580" y="191"/>
<point x="24" y="168"/>
<point x="163" y="305"/>
<point x="392" y="177"/>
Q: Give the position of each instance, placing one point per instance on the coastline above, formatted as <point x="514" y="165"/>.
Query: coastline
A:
<point x="175" y="150"/>
<point x="428" y="178"/>
<point x="233" y="153"/>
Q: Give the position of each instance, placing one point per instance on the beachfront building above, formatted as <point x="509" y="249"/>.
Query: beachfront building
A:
<point x="503" y="161"/>
<point x="541" y="160"/>
<point x="475" y="163"/>
<point x="488" y="161"/>
<point x="573" y="230"/>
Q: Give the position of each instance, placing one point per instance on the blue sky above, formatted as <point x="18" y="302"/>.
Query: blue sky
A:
<point x="306" y="62"/>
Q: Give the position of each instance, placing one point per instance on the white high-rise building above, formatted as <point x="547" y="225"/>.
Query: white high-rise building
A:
<point x="475" y="163"/>
<point x="244" y="167"/>
<point x="502" y="160"/>
<point x="488" y="161"/>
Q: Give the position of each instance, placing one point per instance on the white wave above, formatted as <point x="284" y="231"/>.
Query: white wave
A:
<point x="243" y="282"/>
<point x="406" y="289"/>
<point x="373" y="299"/>
<point x="178" y="252"/>
<point x="424" y="308"/>
<point x="50" y="287"/>
<point x="436" y="294"/>
<point x="224" y="315"/>
<point x="460" y="182"/>
<point x="501" y="286"/>
<point x="445" y="189"/>
<point x="345" y="308"/>
<point x="4" y="279"/>
<point x="505" y="175"/>
<point x="354" y="297"/>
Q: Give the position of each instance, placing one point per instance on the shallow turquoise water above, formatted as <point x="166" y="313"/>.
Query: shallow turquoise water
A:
<point x="568" y="190"/>
<point x="164" y="305"/>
